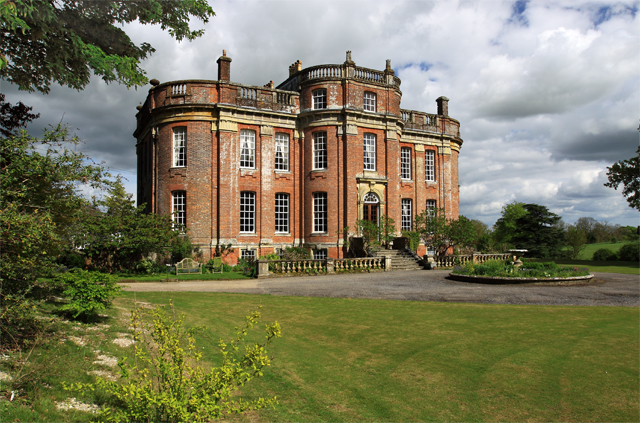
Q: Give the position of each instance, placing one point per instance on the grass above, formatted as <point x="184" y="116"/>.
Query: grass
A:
<point x="184" y="277"/>
<point x="374" y="360"/>
<point x="589" y="249"/>
<point x="58" y="357"/>
<point x="624" y="267"/>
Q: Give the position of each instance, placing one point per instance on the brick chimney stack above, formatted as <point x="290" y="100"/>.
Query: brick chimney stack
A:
<point x="296" y="67"/>
<point x="224" y="67"/>
<point x="443" y="106"/>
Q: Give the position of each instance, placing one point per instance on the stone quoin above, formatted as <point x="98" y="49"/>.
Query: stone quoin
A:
<point x="264" y="168"/>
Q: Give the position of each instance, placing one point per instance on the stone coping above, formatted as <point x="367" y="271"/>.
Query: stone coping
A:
<point x="502" y="280"/>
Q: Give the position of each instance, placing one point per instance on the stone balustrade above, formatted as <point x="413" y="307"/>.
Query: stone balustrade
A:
<point x="461" y="260"/>
<point x="419" y="120"/>
<point x="274" y="268"/>
<point x="338" y="72"/>
<point x="194" y="92"/>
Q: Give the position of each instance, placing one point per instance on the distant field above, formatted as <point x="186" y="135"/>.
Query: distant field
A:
<point x="625" y="267"/>
<point x="587" y="254"/>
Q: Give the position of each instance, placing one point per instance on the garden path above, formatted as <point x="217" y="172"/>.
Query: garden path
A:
<point x="606" y="289"/>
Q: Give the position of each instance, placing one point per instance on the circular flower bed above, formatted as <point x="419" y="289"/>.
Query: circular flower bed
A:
<point x="501" y="272"/>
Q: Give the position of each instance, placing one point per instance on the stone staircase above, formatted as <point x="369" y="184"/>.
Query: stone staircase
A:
<point x="400" y="260"/>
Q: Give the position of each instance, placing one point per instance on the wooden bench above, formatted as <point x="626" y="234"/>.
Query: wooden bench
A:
<point x="188" y="266"/>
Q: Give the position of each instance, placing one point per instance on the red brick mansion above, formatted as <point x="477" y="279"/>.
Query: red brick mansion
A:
<point x="263" y="168"/>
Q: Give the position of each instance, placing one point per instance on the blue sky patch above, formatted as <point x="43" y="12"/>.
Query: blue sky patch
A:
<point x="424" y="67"/>
<point x="605" y="13"/>
<point x="518" y="13"/>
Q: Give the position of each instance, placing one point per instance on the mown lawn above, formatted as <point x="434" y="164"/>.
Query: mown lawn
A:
<point x="372" y="360"/>
<point x="184" y="277"/>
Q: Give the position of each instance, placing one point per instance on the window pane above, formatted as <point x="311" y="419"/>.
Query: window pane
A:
<point x="320" y="212"/>
<point x="282" y="152"/>
<point x="320" y="254"/>
<point x="369" y="152"/>
<point x="179" y="208"/>
<point x="429" y="166"/>
<point x="247" y="148"/>
<point x="320" y="99"/>
<point x="247" y="211"/>
<point x="248" y="254"/>
<point x="370" y="101"/>
<point x="405" y="163"/>
<point x="319" y="150"/>
<point x="179" y="147"/>
<point x="282" y="213"/>
<point x="431" y="207"/>
<point x="406" y="215"/>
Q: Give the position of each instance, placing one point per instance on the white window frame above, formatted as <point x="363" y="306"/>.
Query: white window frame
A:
<point x="282" y="152"/>
<point x="179" y="146"/>
<point x="179" y="208"/>
<point x="320" y="254"/>
<point x="406" y="214"/>
<point x="247" y="149"/>
<point x="319" y="150"/>
<point x="429" y="166"/>
<point x="369" y="151"/>
<point x="320" y="212"/>
<point x="247" y="212"/>
<point x="246" y="253"/>
<point x="431" y="207"/>
<point x="405" y="163"/>
<point x="282" y="213"/>
<point x="319" y="98"/>
<point x="370" y="101"/>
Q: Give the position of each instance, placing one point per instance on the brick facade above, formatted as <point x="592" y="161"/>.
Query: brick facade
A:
<point x="230" y="150"/>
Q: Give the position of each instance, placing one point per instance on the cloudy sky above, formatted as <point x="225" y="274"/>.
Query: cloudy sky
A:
<point x="547" y="92"/>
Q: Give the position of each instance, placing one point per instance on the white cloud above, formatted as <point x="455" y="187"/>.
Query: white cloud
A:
<point x="547" y="97"/>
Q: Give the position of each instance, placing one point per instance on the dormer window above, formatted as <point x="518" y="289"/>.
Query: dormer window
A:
<point x="320" y="99"/>
<point x="369" y="101"/>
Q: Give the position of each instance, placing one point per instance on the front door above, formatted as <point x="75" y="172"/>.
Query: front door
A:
<point x="370" y="207"/>
<point x="370" y="213"/>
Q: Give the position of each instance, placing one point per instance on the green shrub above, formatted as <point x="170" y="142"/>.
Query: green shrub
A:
<point x="88" y="292"/>
<point x="166" y="383"/>
<point x="414" y="239"/>
<point x="499" y="268"/>
<point x="604" y="254"/>
<point x="296" y="253"/>
<point x="149" y="266"/>
<point x="630" y="252"/>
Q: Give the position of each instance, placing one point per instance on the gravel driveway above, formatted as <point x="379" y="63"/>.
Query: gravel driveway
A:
<point x="606" y="289"/>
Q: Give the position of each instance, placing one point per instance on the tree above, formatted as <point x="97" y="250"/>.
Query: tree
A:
<point x="587" y="226"/>
<point x="576" y="241"/>
<point x="482" y="234"/>
<point x="14" y="117"/>
<point x="65" y="41"/>
<point x="537" y="232"/>
<point x="442" y="233"/>
<point x="506" y="228"/>
<point x="376" y="234"/>
<point x="627" y="173"/>
<point x="122" y="235"/>
<point x="39" y="181"/>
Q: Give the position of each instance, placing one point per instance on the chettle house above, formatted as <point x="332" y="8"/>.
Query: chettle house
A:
<point x="263" y="168"/>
